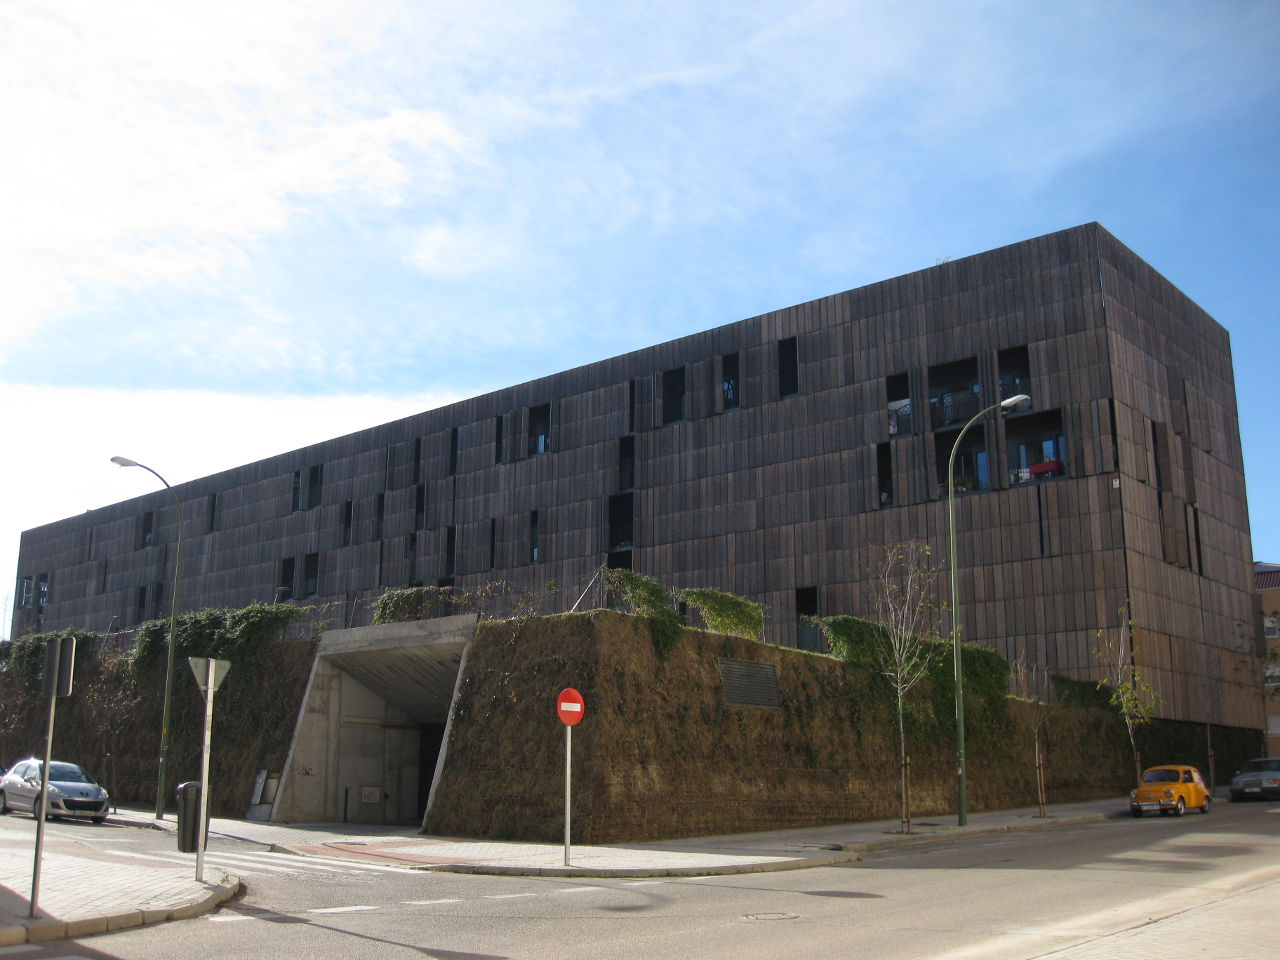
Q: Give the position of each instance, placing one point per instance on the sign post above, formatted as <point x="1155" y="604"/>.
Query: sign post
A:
<point x="569" y="708"/>
<point x="209" y="674"/>
<point x="59" y="670"/>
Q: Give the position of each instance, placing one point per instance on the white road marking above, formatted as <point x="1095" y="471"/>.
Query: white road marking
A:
<point x="340" y="909"/>
<point x="510" y="896"/>
<point x="576" y="889"/>
<point x="427" y="903"/>
<point x="230" y="919"/>
<point x="642" y="883"/>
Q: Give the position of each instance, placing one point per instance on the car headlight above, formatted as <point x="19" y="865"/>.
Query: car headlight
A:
<point x="1133" y="794"/>
<point x="1168" y="794"/>
<point x="1269" y="781"/>
<point x="55" y="792"/>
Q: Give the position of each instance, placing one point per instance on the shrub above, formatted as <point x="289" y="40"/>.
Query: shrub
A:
<point x="726" y="613"/>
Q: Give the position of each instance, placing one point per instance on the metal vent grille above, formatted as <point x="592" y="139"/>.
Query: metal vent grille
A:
<point x="747" y="683"/>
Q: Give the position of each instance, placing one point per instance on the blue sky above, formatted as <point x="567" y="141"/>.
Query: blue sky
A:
<point x="284" y="221"/>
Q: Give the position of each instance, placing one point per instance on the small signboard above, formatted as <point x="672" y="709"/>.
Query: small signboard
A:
<point x="200" y="667"/>
<point x="570" y="707"/>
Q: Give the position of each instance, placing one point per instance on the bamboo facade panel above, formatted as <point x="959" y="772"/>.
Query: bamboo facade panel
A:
<point x="778" y="494"/>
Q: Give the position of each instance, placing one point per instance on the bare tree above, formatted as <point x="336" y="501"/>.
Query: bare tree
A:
<point x="1127" y="689"/>
<point x="1034" y="684"/>
<point x="908" y="643"/>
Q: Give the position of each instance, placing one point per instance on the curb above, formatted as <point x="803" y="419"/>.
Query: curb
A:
<point x="765" y="866"/>
<point x="849" y="853"/>
<point x="49" y="928"/>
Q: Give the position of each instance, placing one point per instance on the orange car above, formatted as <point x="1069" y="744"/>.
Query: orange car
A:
<point x="1170" y="789"/>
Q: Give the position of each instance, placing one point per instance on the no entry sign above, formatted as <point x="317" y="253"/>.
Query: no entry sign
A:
<point x="570" y="707"/>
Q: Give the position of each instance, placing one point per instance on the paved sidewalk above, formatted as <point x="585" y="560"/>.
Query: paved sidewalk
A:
<point x="85" y="890"/>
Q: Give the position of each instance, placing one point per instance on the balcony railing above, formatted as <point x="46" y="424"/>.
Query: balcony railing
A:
<point x="952" y="408"/>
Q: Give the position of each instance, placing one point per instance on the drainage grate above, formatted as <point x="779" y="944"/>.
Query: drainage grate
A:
<point x="747" y="683"/>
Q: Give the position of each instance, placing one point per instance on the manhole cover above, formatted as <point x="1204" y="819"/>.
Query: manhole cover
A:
<point x="772" y="916"/>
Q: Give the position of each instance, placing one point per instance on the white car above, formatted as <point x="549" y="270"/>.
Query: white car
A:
<point x="72" y="792"/>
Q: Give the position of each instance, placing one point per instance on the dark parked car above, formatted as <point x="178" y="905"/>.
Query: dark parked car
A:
<point x="72" y="792"/>
<point x="1257" y="778"/>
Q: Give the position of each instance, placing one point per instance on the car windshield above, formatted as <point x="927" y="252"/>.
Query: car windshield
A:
<point x="1160" y="776"/>
<point x="1257" y="766"/>
<point x="69" y="773"/>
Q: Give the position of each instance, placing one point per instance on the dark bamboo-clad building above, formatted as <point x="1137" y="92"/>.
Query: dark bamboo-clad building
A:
<point x="774" y="457"/>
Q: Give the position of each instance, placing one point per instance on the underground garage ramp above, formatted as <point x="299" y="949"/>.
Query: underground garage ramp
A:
<point x="368" y="741"/>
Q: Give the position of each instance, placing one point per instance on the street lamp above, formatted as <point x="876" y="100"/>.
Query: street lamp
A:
<point x="173" y="617"/>
<point x="1019" y="402"/>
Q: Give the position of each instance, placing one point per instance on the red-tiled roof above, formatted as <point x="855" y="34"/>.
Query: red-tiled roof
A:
<point x="1266" y="579"/>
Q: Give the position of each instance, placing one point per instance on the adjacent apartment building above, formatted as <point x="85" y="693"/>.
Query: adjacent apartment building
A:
<point x="775" y="457"/>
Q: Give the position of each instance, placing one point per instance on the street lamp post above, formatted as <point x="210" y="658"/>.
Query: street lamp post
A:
<point x="161" y="775"/>
<point x="1019" y="402"/>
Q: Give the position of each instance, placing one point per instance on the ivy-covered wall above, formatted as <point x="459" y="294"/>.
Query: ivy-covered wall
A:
<point x="660" y="754"/>
<point x="111" y="722"/>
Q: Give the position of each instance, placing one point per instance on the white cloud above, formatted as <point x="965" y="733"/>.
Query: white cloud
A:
<point x="68" y="436"/>
<point x="153" y="142"/>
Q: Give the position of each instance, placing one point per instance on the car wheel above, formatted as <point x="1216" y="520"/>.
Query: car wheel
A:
<point x="101" y="819"/>
<point x="4" y="804"/>
<point x="1204" y="807"/>
<point x="1180" y="808"/>
<point x="1136" y="813"/>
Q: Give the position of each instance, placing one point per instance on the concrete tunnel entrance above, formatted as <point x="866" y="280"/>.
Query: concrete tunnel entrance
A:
<point x="369" y="741"/>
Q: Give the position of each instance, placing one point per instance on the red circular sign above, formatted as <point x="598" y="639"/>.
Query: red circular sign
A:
<point x="570" y="707"/>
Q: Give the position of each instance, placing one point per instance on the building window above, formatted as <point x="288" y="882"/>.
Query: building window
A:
<point x="295" y="500"/>
<point x="211" y="512"/>
<point x="898" y="393"/>
<point x="284" y="586"/>
<point x="315" y="478"/>
<point x="626" y="463"/>
<point x="140" y="605"/>
<point x="1269" y="629"/>
<point x="539" y="429"/>
<point x="884" y="474"/>
<point x="379" y="512"/>
<point x="955" y="392"/>
<point x="1036" y="446"/>
<point x="788" y="368"/>
<point x="348" y="517"/>
<point x="450" y="551"/>
<point x="417" y="459"/>
<point x="497" y="439"/>
<point x="621" y="522"/>
<point x="26" y="597"/>
<point x="42" y="590"/>
<point x="808" y="633"/>
<point x="1014" y="367"/>
<point x="972" y="466"/>
<point x="533" y="536"/>
<point x="311" y="575"/>
<point x="673" y="395"/>
<point x="145" y="530"/>
<point x="631" y="406"/>
<point x="420" y="507"/>
<point x="730" y="392"/>
<point x="157" y="600"/>
<point x="493" y="543"/>
<point x="453" y="451"/>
